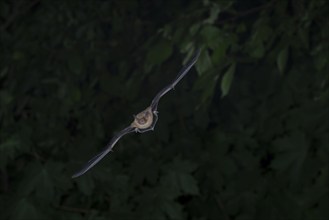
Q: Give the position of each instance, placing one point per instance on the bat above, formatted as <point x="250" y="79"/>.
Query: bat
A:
<point x="143" y="121"/>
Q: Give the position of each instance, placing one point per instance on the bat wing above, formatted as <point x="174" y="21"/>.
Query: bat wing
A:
<point x="102" y="154"/>
<point x="180" y="75"/>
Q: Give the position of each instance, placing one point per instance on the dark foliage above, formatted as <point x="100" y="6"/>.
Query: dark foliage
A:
<point x="243" y="136"/>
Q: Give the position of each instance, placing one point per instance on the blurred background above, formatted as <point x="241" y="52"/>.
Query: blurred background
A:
<point x="243" y="136"/>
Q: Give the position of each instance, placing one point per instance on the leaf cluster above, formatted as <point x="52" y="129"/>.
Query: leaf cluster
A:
<point x="243" y="136"/>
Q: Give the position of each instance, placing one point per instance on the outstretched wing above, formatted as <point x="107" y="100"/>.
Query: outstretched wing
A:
<point x="180" y="75"/>
<point x="106" y="150"/>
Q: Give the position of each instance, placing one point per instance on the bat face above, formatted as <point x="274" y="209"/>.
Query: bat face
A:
<point x="143" y="119"/>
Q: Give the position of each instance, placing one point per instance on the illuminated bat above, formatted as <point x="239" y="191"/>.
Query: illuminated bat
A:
<point x="144" y="121"/>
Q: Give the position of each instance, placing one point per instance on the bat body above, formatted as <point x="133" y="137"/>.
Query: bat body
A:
<point x="144" y="121"/>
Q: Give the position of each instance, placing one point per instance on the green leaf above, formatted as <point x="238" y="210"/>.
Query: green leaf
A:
<point x="24" y="209"/>
<point x="212" y="36"/>
<point x="204" y="63"/>
<point x="214" y="12"/>
<point x="8" y="148"/>
<point x="284" y="161"/>
<point x="183" y="166"/>
<point x="159" y="53"/>
<point x="188" y="184"/>
<point x="206" y="83"/>
<point x="257" y="51"/>
<point x="5" y="97"/>
<point x="172" y="209"/>
<point x="75" y="95"/>
<point x="169" y="186"/>
<point x="4" y="9"/>
<point x="291" y="153"/>
<point x="304" y="37"/>
<point x="227" y="80"/>
<point x="4" y="72"/>
<point x="18" y="55"/>
<point x="195" y="28"/>
<point x="86" y="185"/>
<point x="282" y="60"/>
<point x="219" y="53"/>
<point x="227" y="166"/>
<point x="46" y="189"/>
<point x="75" y="64"/>
<point x="321" y="61"/>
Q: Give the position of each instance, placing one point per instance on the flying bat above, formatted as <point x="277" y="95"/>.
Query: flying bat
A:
<point x="143" y="121"/>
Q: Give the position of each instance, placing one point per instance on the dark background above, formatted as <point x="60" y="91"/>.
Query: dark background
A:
<point x="243" y="136"/>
